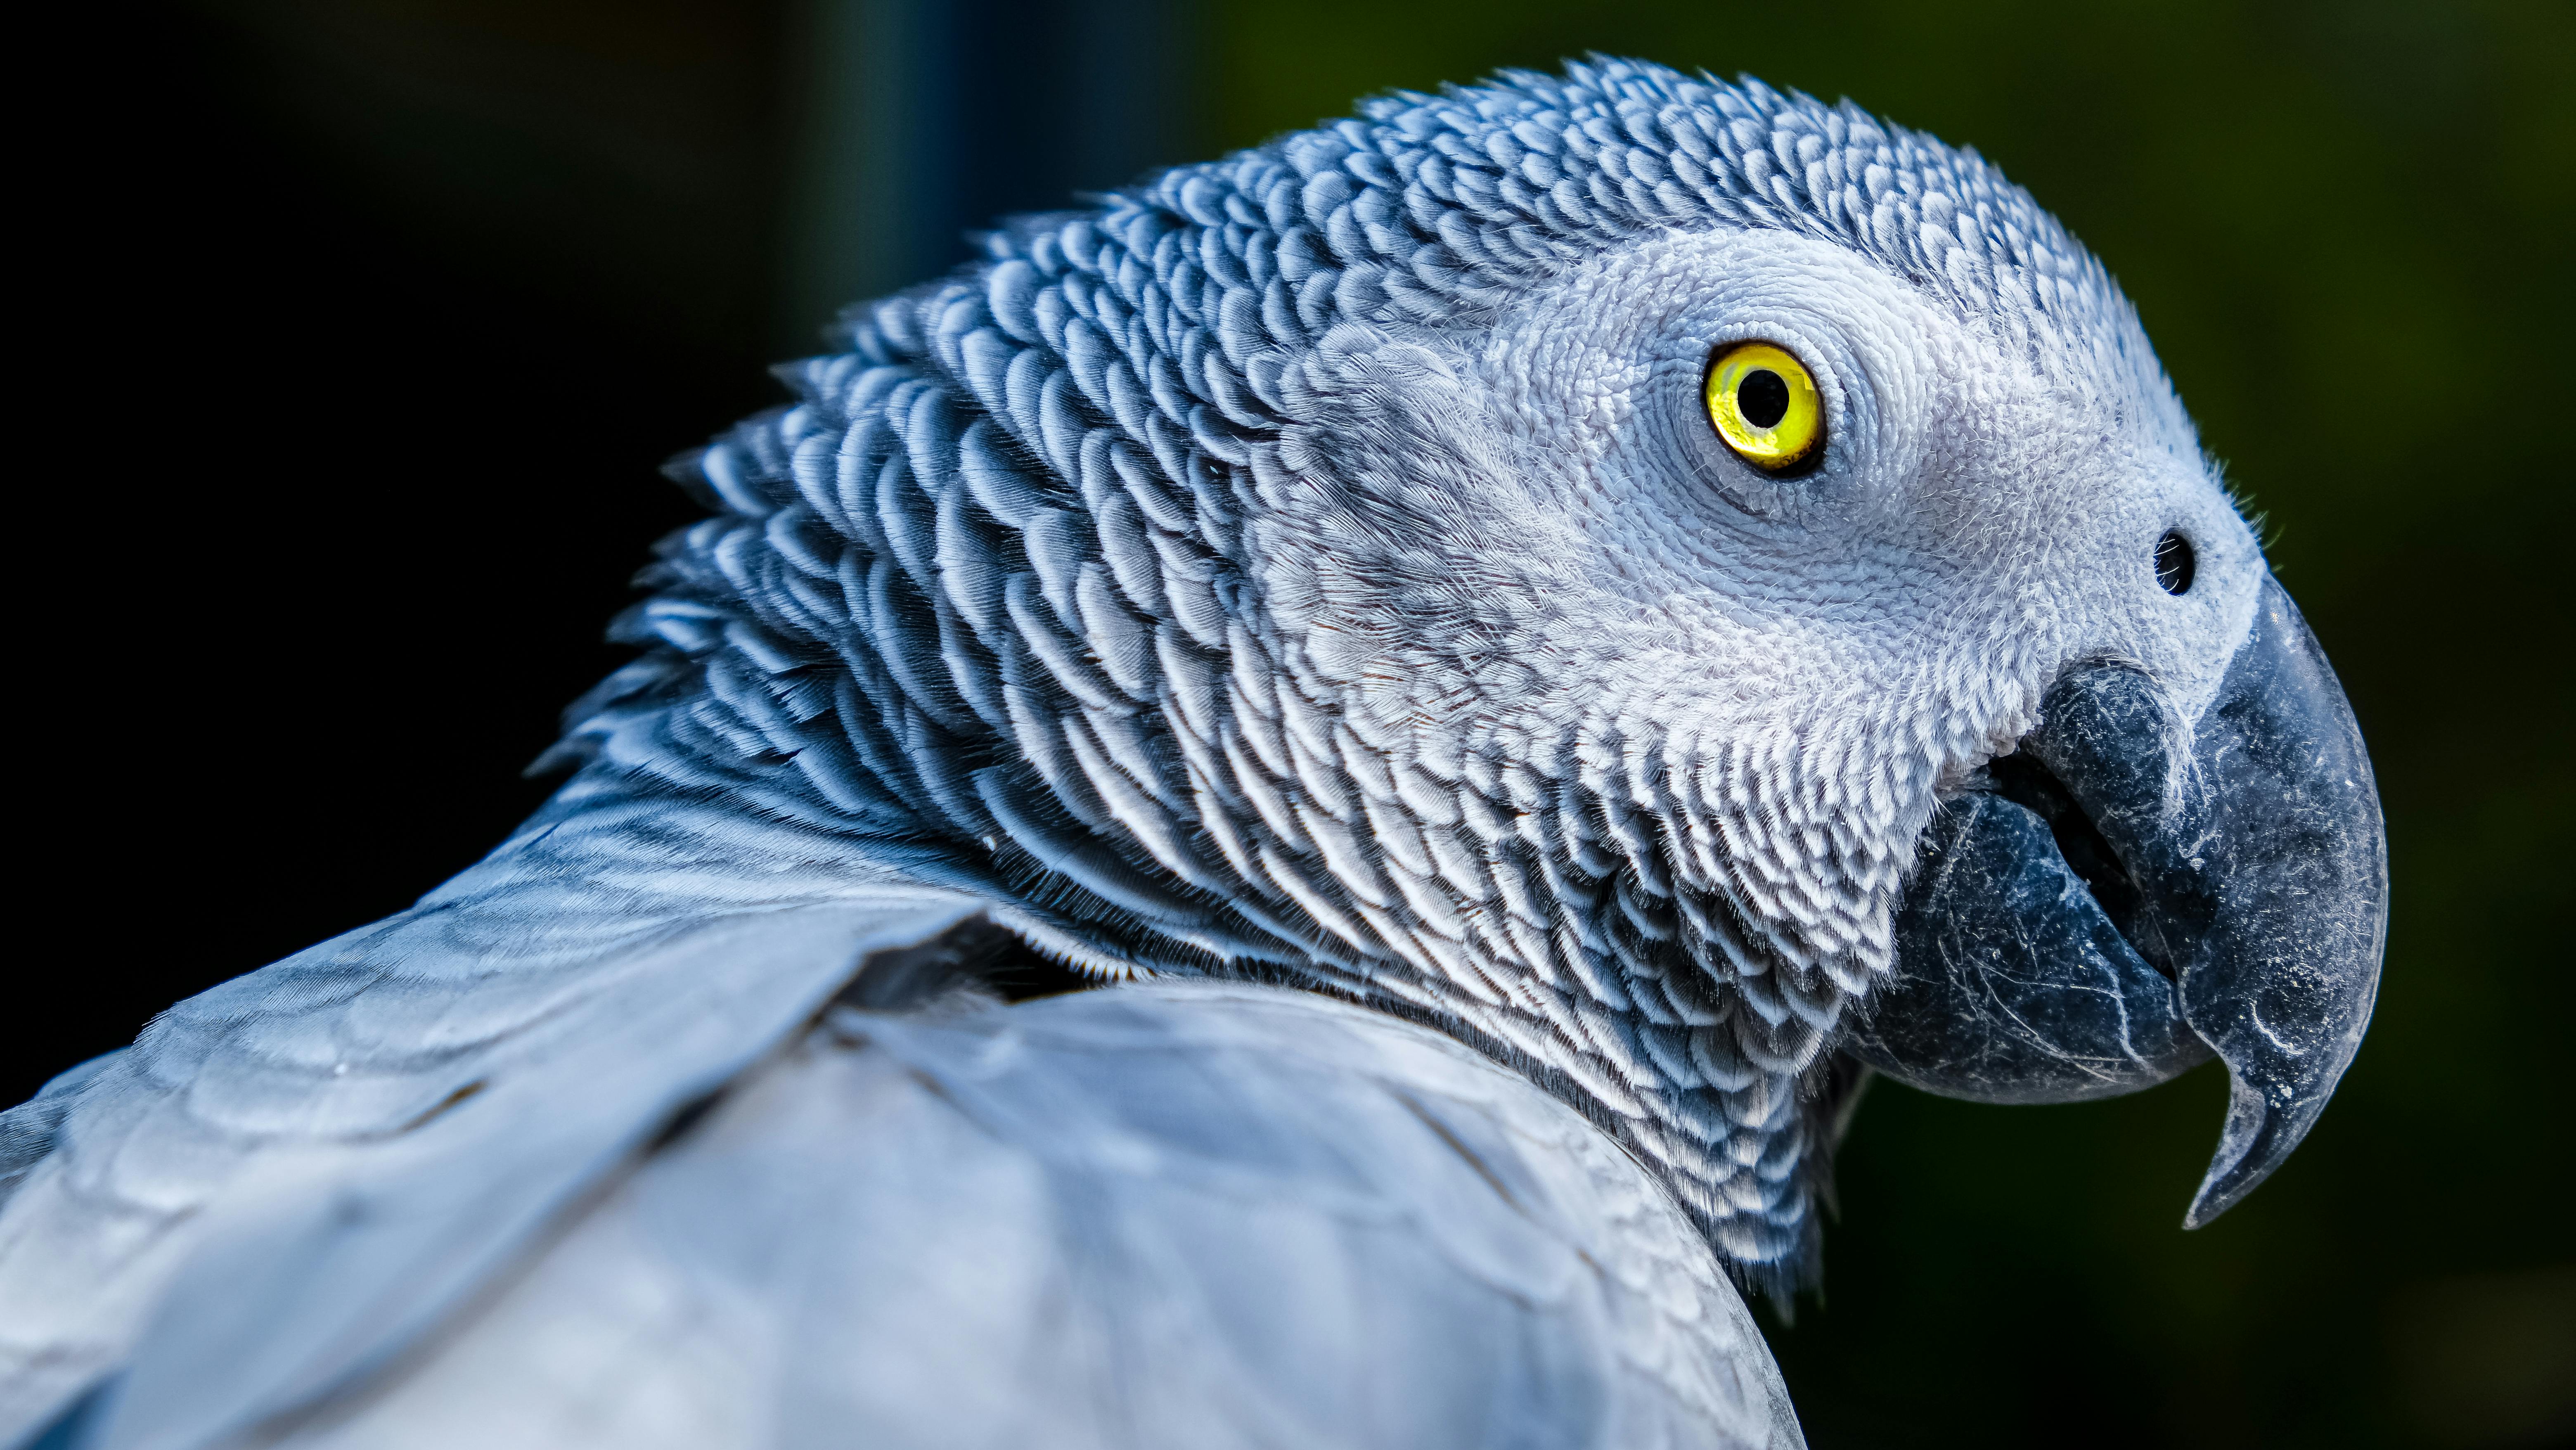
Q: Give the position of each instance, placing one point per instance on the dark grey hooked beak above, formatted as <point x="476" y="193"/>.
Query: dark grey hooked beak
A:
<point x="2134" y="892"/>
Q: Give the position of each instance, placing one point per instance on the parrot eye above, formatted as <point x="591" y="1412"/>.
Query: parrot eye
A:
<point x="1763" y="403"/>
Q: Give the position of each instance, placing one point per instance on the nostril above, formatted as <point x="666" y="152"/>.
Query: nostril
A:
<point x="2174" y="562"/>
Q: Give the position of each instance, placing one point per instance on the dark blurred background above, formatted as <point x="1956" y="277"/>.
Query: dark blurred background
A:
<point x="376" y="317"/>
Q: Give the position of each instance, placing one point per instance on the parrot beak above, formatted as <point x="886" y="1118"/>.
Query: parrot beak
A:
<point x="2137" y="892"/>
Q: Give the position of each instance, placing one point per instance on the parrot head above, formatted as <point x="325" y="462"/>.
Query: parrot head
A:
<point x="1698" y="593"/>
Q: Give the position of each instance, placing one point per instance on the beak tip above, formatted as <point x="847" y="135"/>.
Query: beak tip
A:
<point x="2212" y="1200"/>
<point x="2256" y="1138"/>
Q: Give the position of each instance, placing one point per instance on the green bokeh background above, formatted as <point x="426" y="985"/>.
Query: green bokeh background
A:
<point x="2347" y="226"/>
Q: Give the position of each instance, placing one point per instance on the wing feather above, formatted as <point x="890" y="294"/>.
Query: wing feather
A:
<point x="288" y="1116"/>
<point x="1179" y="1214"/>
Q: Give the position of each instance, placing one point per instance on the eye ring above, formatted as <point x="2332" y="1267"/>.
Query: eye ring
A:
<point x="1764" y="405"/>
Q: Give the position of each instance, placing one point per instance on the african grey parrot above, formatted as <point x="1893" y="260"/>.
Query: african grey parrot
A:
<point x="1539" y="634"/>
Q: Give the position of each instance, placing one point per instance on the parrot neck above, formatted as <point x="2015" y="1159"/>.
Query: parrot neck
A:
<point x="674" y="815"/>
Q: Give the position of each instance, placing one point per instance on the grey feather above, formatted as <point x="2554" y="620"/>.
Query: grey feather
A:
<point x="1180" y="1215"/>
<point x="571" y="1011"/>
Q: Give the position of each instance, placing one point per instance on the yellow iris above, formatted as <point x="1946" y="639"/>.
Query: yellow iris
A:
<point x="1764" y="404"/>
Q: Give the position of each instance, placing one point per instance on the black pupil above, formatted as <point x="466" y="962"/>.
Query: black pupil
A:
<point x="2174" y="562"/>
<point x="1763" y="398"/>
